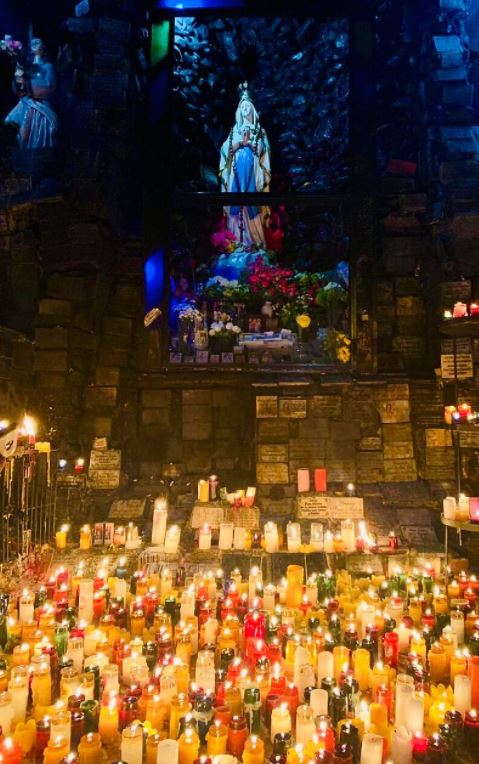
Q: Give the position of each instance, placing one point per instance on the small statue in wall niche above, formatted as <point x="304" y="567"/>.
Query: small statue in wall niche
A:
<point x="245" y="166"/>
<point x="34" y="84"/>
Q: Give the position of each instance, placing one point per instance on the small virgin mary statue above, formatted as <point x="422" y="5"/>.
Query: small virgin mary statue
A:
<point x="245" y="166"/>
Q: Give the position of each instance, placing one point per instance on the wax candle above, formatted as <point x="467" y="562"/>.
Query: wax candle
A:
<point x="160" y="519"/>
<point x="26" y="606"/>
<point x="61" y="537"/>
<point x="474" y="677"/>
<point x="18" y="688"/>
<point x="172" y="539"/>
<point x="168" y="751"/>
<point x="85" y="537"/>
<point x="280" y="720"/>
<point x="415" y="713"/>
<point x="372" y="749"/>
<point x="328" y="542"/>
<point x="303" y="480"/>
<point x="226" y="536"/>
<point x="401" y="746"/>
<point x="204" y="540"/>
<point x="459" y="310"/>
<point x="305" y="724"/>
<point x="462" y="694"/>
<point x="361" y="662"/>
<point x="132" y="744"/>
<point x="316" y="537"/>
<point x="85" y="600"/>
<point x="90" y="749"/>
<point x="203" y="491"/>
<point x="294" y="585"/>
<point x="326" y="665"/>
<point x="6" y="712"/>
<point x="216" y="739"/>
<point x="437" y="663"/>
<point x="108" y="722"/>
<point x="271" y="537"/>
<point x="293" y="533"/>
<point x="471" y="731"/>
<point x="253" y="752"/>
<point x="404" y="692"/>
<point x="348" y="535"/>
<point x="56" y="750"/>
<point x="239" y="538"/>
<point x="320" y="479"/>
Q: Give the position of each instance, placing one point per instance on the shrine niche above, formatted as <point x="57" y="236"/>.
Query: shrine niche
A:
<point x="253" y="281"/>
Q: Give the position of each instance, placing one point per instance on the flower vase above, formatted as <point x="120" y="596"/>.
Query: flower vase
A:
<point x="223" y="343"/>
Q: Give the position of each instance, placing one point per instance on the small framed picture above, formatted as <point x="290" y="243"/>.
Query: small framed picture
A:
<point x="202" y="356"/>
<point x="175" y="358"/>
<point x="189" y="359"/>
<point x="108" y="530"/>
<point x="214" y="358"/>
<point x="227" y="357"/>
<point x="254" y="324"/>
<point x="98" y="534"/>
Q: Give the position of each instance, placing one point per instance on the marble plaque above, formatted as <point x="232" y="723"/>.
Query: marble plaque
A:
<point x="272" y="474"/>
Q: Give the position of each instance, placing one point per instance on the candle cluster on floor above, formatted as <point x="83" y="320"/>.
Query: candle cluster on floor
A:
<point x="217" y="669"/>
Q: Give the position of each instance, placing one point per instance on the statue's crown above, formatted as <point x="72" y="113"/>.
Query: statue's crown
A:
<point x="244" y="92"/>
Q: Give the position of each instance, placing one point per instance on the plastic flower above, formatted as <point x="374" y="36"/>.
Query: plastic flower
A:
<point x="303" y="321"/>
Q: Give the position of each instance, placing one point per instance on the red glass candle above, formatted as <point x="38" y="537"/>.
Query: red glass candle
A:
<point x="291" y="697"/>
<point x="242" y="606"/>
<point x="51" y="586"/>
<point x="273" y="700"/>
<point x="320" y="479"/>
<point x="326" y="735"/>
<point x="436" y="751"/>
<point x="61" y="577"/>
<point x="227" y="608"/>
<point x="471" y="730"/>
<point x="278" y="680"/>
<point x="254" y="625"/>
<point x="237" y="736"/>
<point x="419" y="745"/>
<point x="391" y="648"/>
<point x="10" y="751"/>
<point x="474" y="309"/>
<point x="428" y="618"/>
<point x="234" y="670"/>
<point x="393" y="541"/>
<point x="99" y="604"/>
<point x="42" y="736"/>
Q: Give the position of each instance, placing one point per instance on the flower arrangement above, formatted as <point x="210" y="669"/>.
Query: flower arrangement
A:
<point x="223" y="240"/>
<point x="189" y="312"/>
<point x="223" y="327"/>
<point x="11" y="46"/>
<point x="338" y="346"/>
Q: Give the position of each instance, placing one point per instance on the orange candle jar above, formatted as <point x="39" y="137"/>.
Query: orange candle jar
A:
<point x="437" y="663"/>
<point x="189" y="747"/>
<point x="90" y="749"/>
<point x="216" y="739"/>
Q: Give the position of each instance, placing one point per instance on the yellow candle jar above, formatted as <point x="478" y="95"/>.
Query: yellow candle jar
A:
<point x="379" y="677"/>
<point x="418" y="646"/>
<point x="378" y="714"/>
<point x="294" y="585"/>
<point x="253" y="751"/>
<point x="56" y="750"/>
<point x="216" y="739"/>
<point x="108" y="723"/>
<point x="90" y="749"/>
<point x="42" y="685"/>
<point x="458" y="666"/>
<point x="189" y="746"/>
<point x="361" y="661"/>
<point x="341" y="659"/>
<point x="179" y="707"/>
<point x="415" y="610"/>
<point x="85" y="537"/>
<point x="437" y="663"/>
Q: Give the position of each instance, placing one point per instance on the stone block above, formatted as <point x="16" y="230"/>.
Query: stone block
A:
<point x="326" y="406"/>
<point x="51" y="360"/>
<point x="50" y="381"/>
<point x="459" y="172"/>
<point x="399" y="470"/>
<point x="224" y="399"/>
<point x="57" y="308"/>
<point x="410" y="306"/>
<point x="197" y="397"/>
<point x="197" y="429"/>
<point x="102" y="427"/>
<point x="307" y="450"/>
<point x="449" y="49"/>
<point x="345" y="431"/>
<point x="272" y="452"/>
<point x="371" y="443"/>
<point x="55" y="338"/>
<point x="341" y="471"/>
<point x="460" y="94"/>
<point x="71" y="288"/>
<point x="272" y="474"/>
<point x="401" y="253"/>
<point x="197" y="457"/>
<point x="409" y="326"/>
<point x="109" y="356"/>
<point x="271" y="508"/>
<point x="117" y="325"/>
<point x="384" y="292"/>
<point x="155" y="417"/>
<point x="81" y="340"/>
<point x="466" y="226"/>
<point x="107" y="375"/>
<point x="224" y="464"/>
<point x="407" y="285"/>
<point x="272" y="430"/>
<point x="410" y="347"/>
<point x="340" y="449"/>
<point x="399" y="450"/>
<point x="158" y="399"/>
<point x="101" y="397"/>
<point x="397" y="433"/>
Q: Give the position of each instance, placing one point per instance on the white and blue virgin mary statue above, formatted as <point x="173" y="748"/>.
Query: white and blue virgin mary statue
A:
<point x="245" y="166"/>
<point x="33" y="115"/>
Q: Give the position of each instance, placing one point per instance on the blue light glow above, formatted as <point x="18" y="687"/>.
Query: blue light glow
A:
<point x="154" y="279"/>
<point x="195" y="4"/>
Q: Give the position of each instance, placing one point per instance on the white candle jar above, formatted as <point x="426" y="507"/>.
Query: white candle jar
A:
<point x="293" y="534"/>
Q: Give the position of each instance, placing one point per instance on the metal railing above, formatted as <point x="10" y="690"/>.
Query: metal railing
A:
<point x="27" y="503"/>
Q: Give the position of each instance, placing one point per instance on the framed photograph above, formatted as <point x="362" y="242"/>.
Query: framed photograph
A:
<point x="98" y="534"/>
<point x="227" y="357"/>
<point x="254" y="324"/>
<point x="108" y="529"/>
<point x="202" y="356"/>
<point x="175" y="358"/>
<point x="214" y="358"/>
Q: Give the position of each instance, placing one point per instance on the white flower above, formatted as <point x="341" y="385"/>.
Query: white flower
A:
<point x="236" y="329"/>
<point x="212" y="332"/>
<point x="229" y="326"/>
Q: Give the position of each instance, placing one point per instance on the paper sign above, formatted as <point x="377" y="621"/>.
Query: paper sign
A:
<point x="105" y="460"/>
<point x="127" y="509"/>
<point x="317" y="507"/>
<point x="106" y="480"/>
<point x="463" y="367"/>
